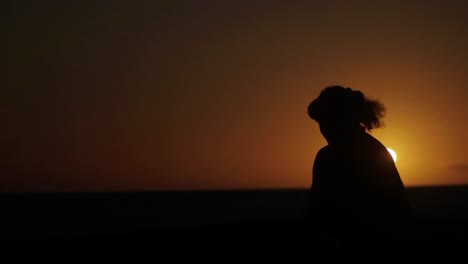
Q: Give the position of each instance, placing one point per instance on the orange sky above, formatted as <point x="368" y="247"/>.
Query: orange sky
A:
<point x="144" y="96"/>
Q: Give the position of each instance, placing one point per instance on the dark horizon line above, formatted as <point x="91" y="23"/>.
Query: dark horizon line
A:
<point x="195" y="191"/>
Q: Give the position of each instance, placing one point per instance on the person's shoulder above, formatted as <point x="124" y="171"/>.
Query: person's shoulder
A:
<point x="378" y="150"/>
<point x="322" y="157"/>
<point x="373" y="142"/>
<point x="324" y="151"/>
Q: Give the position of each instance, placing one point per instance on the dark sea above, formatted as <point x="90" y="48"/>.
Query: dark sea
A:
<point x="261" y="224"/>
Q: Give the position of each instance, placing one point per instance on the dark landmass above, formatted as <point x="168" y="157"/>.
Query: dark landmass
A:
<point x="228" y="225"/>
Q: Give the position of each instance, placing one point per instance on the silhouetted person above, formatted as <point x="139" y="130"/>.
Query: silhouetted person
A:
<point x="356" y="194"/>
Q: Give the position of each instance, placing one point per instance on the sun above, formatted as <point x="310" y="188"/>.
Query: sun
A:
<point x="393" y="153"/>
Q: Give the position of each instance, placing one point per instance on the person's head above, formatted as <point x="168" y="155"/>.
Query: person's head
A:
<point x="339" y="110"/>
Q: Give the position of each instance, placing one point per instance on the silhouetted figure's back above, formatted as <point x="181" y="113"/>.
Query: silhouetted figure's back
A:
<point x="356" y="192"/>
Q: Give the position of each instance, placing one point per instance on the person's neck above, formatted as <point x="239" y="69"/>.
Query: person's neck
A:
<point x="347" y="134"/>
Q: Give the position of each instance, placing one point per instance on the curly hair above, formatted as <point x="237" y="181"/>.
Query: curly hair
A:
<point x="345" y="105"/>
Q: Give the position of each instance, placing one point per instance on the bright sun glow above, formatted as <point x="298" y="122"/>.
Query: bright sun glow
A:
<point x="393" y="153"/>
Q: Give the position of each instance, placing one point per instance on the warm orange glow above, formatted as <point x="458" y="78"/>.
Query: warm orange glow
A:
<point x="393" y="153"/>
<point x="219" y="99"/>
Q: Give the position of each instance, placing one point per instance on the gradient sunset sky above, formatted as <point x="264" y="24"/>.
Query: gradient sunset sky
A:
<point x="182" y="95"/>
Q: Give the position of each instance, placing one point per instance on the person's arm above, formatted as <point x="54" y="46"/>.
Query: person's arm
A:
<point x="316" y="185"/>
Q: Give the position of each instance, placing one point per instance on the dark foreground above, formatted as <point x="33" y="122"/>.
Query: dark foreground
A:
<point x="221" y="226"/>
